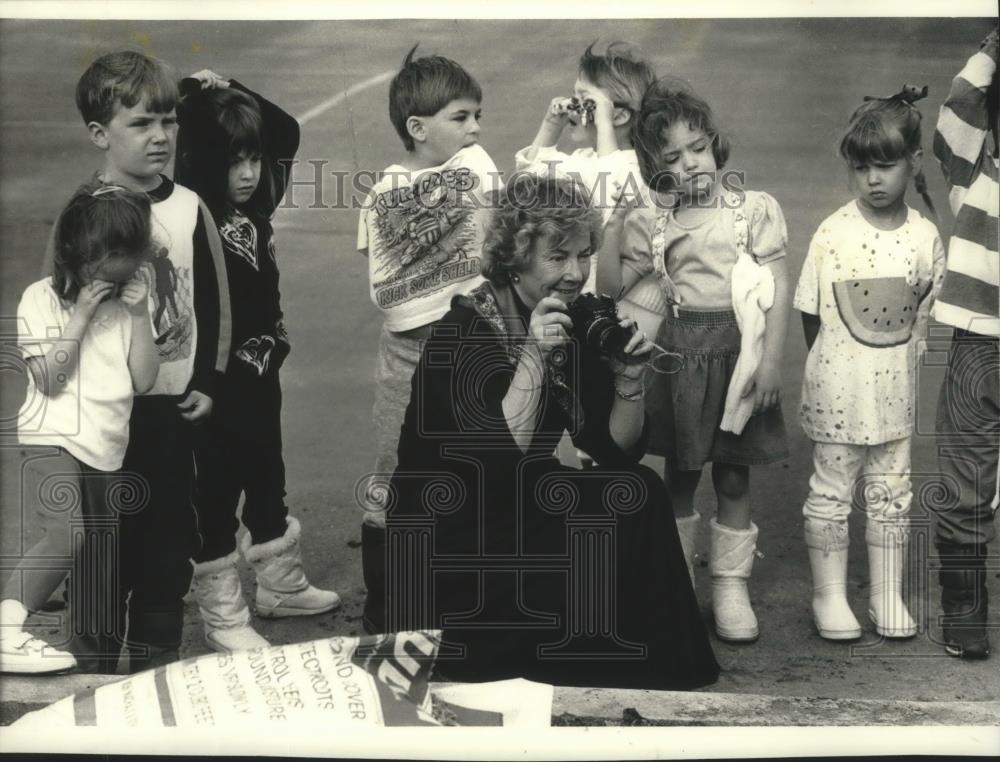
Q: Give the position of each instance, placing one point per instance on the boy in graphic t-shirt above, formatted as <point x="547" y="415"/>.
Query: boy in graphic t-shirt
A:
<point x="422" y="230"/>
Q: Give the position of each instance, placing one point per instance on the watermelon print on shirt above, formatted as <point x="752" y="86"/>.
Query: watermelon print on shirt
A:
<point x="872" y="290"/>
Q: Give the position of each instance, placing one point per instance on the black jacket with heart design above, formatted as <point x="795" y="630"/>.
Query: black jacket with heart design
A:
<point x="259" y="341"/>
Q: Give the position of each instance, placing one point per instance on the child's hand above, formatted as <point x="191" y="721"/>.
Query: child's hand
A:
<point x="623" y="205"/>
<point x="558" y="111"/>
<point x="765" y="387"/>
<point x="92" y="295"/>
<point x="604" y="108"/>
<point x="209" y="79"/>
<point x="133" y="295"/>
<point x="196" y="407"/>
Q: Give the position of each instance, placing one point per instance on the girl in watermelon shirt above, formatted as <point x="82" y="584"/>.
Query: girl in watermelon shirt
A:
<point x="870" y="276"/>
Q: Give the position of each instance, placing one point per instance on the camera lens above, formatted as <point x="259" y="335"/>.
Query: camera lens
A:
<point x="602" y="336"/>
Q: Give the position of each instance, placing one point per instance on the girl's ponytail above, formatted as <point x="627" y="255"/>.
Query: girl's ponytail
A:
<point x="920" y="183"/>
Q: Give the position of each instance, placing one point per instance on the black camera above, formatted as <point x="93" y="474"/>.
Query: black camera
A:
<point x="596" y="325"/>
<point x="583" y="109"/>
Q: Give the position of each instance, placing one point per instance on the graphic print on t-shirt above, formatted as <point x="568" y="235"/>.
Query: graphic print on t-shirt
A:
<point x="169" y="297"/>
<point x="426" y="233"/>
<point x="239" y="236"/>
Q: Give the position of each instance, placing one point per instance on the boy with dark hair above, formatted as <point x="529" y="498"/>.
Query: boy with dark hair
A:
<point x="128" y="100"/>
<point x="422" y="230"/>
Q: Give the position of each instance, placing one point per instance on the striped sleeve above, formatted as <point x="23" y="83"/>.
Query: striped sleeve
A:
<point x="222" y="285"/>
<point x="959" y="141"/>
<point x="971" y="291"/>
<point x="970" y="294"/>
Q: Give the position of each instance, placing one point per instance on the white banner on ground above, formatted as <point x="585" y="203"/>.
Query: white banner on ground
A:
<point x="368" y="682"/>
<point x="371" y="681"/>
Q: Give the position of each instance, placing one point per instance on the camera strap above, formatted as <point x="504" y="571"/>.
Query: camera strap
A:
<point x="741" y="225"/>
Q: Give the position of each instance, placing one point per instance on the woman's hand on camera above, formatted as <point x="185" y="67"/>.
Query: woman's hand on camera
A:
<point x="550" y="325"/>
<point x="632" y="363"/>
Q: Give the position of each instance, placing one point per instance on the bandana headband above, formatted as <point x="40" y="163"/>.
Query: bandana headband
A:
<point x="909" y="95"/>
<point x="106" y="189"/>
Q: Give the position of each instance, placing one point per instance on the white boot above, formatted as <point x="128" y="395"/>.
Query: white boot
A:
<point x="282" y="587"/>
<point x="224" y="612"/>
<point x="20" y="651"/>
<point x="827" y="542"/>
<point x="687" y="530"/>
<point x="730" y="562"/>
<point x="886" y="546"/>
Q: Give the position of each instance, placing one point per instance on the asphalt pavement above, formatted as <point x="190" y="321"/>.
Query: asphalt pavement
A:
<point x="782" y="89"/>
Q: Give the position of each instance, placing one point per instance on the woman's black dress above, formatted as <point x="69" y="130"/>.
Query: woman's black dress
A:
<point x="531" y="568"/>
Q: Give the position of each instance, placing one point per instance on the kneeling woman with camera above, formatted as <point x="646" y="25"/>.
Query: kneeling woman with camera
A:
<point x="529" y="567"/>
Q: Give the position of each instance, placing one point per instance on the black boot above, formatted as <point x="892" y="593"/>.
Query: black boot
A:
<point x="97" y="655"/>
<point x="964" y="599"/>
<point x="373" y="571"/>
<point x="154" y="639"/>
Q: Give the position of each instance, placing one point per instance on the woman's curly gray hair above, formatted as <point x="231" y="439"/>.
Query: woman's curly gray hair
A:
<point x="532" y="207"/>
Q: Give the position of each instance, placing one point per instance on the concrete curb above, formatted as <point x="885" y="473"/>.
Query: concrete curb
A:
<point x="747" y="709"/>
<point x="604" y="706"/>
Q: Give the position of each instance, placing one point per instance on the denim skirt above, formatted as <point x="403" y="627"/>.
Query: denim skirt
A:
<point x="686" y="407"/>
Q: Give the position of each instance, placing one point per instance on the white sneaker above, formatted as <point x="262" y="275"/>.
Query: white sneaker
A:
<point x="23" y="653"/>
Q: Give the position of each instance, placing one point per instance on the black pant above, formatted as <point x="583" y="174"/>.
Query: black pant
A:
<point x="238" y="452"/>
<point x="968" y="426"/>
<point x="77" y="507"/>
<point x="161" y="535"/>
<point x="97" y="610"/>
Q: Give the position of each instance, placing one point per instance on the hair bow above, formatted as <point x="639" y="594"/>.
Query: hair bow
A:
<point x="909" y="95"/>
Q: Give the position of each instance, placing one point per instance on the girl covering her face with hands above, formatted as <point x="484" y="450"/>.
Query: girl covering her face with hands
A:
<point x="88" y="350"/>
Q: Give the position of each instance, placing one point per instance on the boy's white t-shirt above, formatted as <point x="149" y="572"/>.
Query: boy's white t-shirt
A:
<point x="423" y="234"/>
<point x="89" y="417"/>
